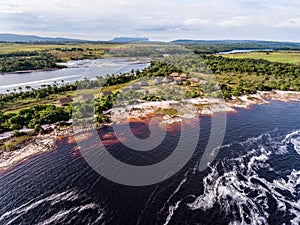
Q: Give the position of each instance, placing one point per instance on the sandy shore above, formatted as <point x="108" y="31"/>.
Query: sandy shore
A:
<point x="38" y="144"/>
<point x="187" y="109"/>
<point x="200" y="106"/>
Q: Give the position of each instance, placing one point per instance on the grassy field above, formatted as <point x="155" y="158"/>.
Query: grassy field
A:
<point x="64" y="52"/>
<point x="276" y="56"/>
<point x="14" y="47"/>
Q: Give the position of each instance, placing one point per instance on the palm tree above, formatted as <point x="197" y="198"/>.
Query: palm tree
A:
<point x="28" y="88"/>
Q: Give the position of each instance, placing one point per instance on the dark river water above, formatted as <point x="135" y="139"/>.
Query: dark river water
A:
<point x="255" y="179"/>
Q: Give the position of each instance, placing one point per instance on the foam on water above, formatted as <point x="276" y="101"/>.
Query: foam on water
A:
<point x="237" y="187"/>
<point x="241" y="192"/>
<point x="12" y="216"/>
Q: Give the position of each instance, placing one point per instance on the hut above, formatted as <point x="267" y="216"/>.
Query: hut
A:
<point x="134" y="87"/>
<point x="105" y="93"/>
<point x="87" y="97"/>
<point x="174" y="74"/>
<point x="168" y="80"/>
<point x="158" y="80"/>
<point x="178" y="82"/>
<point x="183" y="77"/>
<point x="203" y="82"/>
<point x="143" y="83"/>
<point x="194" y="81"/>
<point x="124" y="90"/>
<point x="64" y="101"/>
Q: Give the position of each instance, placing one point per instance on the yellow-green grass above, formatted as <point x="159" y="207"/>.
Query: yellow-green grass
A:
<point x="14" y="47"/>
<point x="13" y="143"/>
<point x="170" y="112"/>
<point x="273" y="56"/>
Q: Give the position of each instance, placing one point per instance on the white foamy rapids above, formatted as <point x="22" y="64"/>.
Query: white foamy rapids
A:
<point x="12" y="216"/>
<point x="240" y="191"/>
<point x="172" y="209"/>
<point x="293" y="138"/>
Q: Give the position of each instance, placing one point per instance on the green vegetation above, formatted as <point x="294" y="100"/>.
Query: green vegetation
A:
<point x="33" y="117"/>
<point x="212" y="47"/>
<point x="21" y="61"/>
<point x="170" y="112"/>
<point x="6" y="48"/>
<point x="204" y="75"/>
<point x="246" y="76"/>
<point x="15" y="142"/>
<point x="18" y="57"/>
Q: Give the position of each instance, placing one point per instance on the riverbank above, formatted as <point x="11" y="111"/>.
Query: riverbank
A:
<point x="37" y="145"/>
<point x="187" y="109"/>
<point x="198" y="106"/>
<point x="32" y="71"/>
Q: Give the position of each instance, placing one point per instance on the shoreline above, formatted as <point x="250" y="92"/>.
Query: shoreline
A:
<point x="32" y="71"/>
<point x="201" y="106"/>
<point x="47" y="142"/>
<point x="39" y="144"/>
<point x="64" y="65"/>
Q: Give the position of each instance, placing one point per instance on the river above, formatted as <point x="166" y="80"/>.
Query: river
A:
<point x="255" y="179"/>
<point x="76" y="70"/>
<point x="245" y="51"/>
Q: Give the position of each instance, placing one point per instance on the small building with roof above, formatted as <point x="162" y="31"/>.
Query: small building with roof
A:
<point x="105" y="93"/>
<point x="143" y="83"/>
<point x="178" y="82"/>
<point x="87" y="97"/>
<point x="158" y="80"/>
<point x="168" y="80"/>
<point x="174" y="74"/>
<point x="64" y="101"/>
<point x="124" y="90"/>
<point x="183" y="77"/>
<point x="134" y="87"/>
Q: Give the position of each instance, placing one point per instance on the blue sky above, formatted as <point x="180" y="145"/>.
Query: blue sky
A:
<point x="156" y="19"/>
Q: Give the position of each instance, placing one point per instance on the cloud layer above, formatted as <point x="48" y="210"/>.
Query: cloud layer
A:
<point x="159" y="20"/>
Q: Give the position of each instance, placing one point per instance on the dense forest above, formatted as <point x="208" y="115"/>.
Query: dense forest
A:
<point x="240" y="76"/>
<point x="20" y="61"/>
<point x="33" y="117"/>
<point x="246" y="76"/>
<point x="211" y="47"/>
<point x="46" y="58"/>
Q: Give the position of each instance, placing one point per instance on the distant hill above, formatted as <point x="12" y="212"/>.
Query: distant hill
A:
<point x="32" y="38"/>
<point x="128" y="40"/>
<point x="253" y="43"/>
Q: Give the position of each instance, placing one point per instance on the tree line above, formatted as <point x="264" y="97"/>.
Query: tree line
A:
<point x="27" y="61"/>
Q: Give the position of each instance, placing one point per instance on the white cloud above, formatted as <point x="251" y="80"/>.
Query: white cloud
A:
<point x="234" y="21"/>
<point x="195" y="22"/>
<point x="169" y="19"/>
<point x="289" y="23"/>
